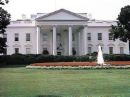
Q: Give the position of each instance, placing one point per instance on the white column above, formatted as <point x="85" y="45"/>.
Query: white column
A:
<point x="38" y="40"/>
<point x="85" y="40"/>
<point x="79" y="43"/>
<point x="54" y="41"/>
<point x="70" y="40"/>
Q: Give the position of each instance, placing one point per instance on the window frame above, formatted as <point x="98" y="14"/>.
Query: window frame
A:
<point x="89" y="36"/>
<point x="28" y="51"/>
<point x="110" y="36"/>
<point x="16" y="37"/>
<point x="122" y="50"/>
<point x="110" y="50"/>
<point x="89" y="50"/>
<point x="16" y="50"/>
<point x="28" y="37"/>
<point x="99" y="36"/>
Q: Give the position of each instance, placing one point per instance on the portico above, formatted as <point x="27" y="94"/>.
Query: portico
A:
<point x="64" y="31"/>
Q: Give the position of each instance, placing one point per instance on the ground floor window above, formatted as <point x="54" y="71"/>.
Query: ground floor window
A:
<point x="16" y="50"/>
<point x="28" y="50"/>
<point x="89" y="50"/>
<point x="110" y="50"/>
<point x="121" y="50"/>
<point x="45" y="51"/>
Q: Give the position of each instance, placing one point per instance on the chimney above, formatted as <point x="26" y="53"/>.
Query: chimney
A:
<point x="24" y="17"/>
<point x="90" y="16"/>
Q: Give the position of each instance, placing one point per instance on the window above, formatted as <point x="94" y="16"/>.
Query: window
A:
<point x="28" y="50"/>
<point x="16" y="37"/>
<point x="99" y="36"/>
<point x="27" y="36"/>
<point x="16" y="50"/>
<point x="44" y="36"/>
<point x="5" y="37"/>
<point x="73" y="37"/>
<point x="110" y="36"/>
<point x="110" y="50"/>
<point x="89" y="50"/>
<point x="121" y="50"/>
<point x="45" y="51"/>
<point x="89" y="36"/>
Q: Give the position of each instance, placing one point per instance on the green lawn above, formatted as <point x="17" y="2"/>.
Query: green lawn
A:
<point x="21" y="82"/>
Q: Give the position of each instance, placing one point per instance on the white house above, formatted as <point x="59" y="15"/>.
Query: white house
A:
<point x="62" y="32"/>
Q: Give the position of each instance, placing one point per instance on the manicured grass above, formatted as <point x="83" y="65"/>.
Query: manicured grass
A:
<point x="21" y="82"/>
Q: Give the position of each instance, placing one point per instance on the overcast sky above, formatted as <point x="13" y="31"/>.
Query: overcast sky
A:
<point x="100" y="9"/>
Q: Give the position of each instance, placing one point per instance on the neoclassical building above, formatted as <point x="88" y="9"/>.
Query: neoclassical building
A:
<point x="62" y="32"/>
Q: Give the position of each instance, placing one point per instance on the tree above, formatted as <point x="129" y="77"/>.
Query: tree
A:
<point x="122" y="29"/>
<point x="4" y="21"/>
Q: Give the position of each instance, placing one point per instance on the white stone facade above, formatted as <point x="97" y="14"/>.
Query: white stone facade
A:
<point x="62" y="33"/>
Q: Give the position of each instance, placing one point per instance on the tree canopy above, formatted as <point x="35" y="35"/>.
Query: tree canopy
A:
<point x="4" y="21"/>
<point x="122" y="29"/>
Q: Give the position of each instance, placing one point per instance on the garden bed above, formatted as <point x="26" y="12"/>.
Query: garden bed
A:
<point x="73" y="64"/>
<point x="82" y="65"/>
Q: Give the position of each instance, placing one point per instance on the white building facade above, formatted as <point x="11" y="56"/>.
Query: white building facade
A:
<point x="62" y="32"/>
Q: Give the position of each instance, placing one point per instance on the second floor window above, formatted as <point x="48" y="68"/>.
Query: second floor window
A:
<point x="44" y="36"/>
<point x="16" y="37"/>
<point x="110" y="36"/>
<point x="73" y="37"/>
<point x="89" y="36"/>
<point x="99" y="36"/>
<point x="27" y="36"/>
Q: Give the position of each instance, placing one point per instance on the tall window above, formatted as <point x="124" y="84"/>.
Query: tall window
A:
<point x="110" y="36"/>
<point x="44" y="36"/>
<point x="28" y="50"/>
<point x="5" y="37"/>
<point x="121" y="50"/>
<point x="89" y="36"/>
<point x="16" y="37"/>
<point x="16" y="50"/>
<point x="73" y="37"/>
<point x="110" y="50"/>
<point x="89" y="50"/>
<point x="99" y="36"/>
<point x="27" y="36"/>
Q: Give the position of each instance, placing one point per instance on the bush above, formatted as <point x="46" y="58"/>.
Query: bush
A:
<point x="116" y="57"/>
<point x="19" y="59"/>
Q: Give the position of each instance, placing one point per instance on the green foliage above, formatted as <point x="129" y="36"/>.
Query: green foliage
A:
<point x="122" y="29"/>
<point x="4" y="21"/>
<point x="116" y="57"/>
<point x="3" y="2"/>
<point x="40" y="58"/>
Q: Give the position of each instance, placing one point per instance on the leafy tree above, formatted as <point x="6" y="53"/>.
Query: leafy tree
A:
<point x="122" y="29"/>
<point x="4" y="21"/>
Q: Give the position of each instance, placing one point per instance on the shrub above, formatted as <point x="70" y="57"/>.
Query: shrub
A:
<point x="40" y="58"/>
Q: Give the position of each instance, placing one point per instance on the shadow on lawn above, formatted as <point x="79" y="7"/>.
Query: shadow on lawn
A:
<point x="47" y="96"/>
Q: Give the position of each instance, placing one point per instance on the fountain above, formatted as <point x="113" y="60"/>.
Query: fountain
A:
<point x="100" y="60"/>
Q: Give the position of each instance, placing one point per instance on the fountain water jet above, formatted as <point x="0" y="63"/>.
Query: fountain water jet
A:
<point x="100" y="60"/>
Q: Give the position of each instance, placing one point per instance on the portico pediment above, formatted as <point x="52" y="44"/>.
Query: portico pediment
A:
<point x="62" y="15"/>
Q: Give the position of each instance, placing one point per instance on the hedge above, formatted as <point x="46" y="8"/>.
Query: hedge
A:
<point x="36" y="58"/>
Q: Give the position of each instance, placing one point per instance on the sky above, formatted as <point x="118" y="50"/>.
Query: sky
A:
<point x="99" y="9"/>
